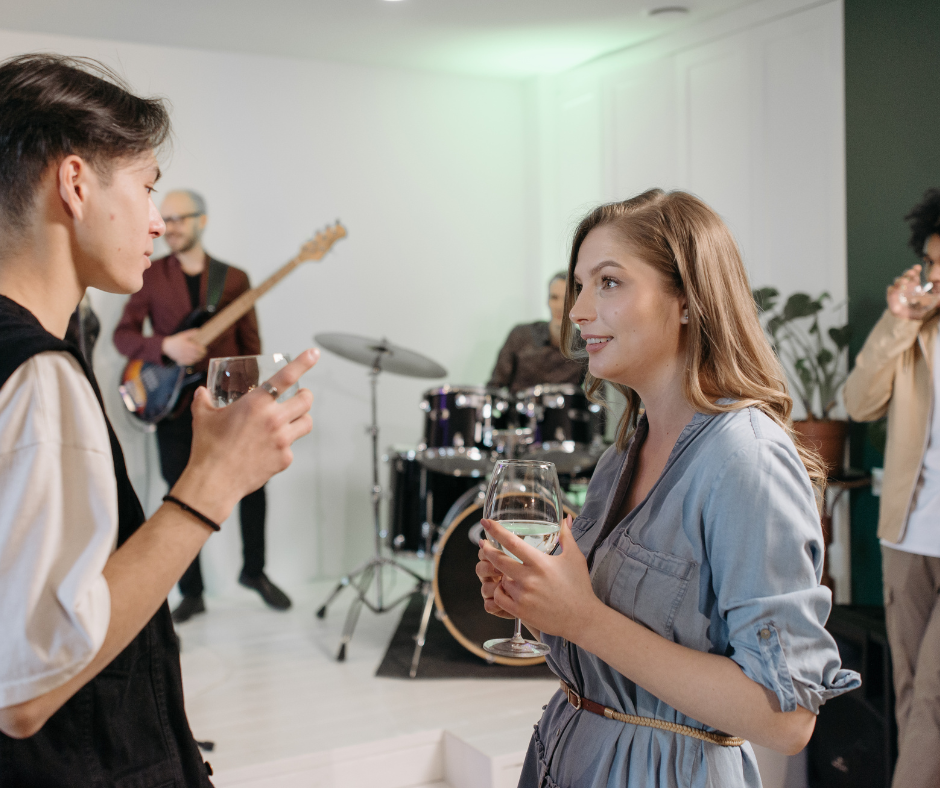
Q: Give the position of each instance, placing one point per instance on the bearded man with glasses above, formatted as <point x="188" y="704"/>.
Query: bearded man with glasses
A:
<point x="174" y="287"/>
<point x="897" y="373"/>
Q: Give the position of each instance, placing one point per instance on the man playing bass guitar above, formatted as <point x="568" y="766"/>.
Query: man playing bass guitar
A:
<point x="177" y="290"/>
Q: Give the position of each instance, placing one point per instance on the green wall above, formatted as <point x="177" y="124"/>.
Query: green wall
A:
<point x="892" y="107"/>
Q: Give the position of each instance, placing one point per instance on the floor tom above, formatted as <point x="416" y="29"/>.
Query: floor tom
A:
<point x="418" y="501"/>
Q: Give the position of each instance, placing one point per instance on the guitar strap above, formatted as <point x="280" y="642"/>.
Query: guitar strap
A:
<point x="215" y="284"/>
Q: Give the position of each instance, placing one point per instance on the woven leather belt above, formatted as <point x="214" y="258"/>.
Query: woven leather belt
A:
<point x="648" y="722"/>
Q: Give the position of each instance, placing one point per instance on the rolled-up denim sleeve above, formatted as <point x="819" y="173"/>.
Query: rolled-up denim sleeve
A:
<point x="765" y="548"/>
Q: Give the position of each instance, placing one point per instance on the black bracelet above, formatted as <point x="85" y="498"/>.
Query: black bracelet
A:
<point x="187" y="508"/>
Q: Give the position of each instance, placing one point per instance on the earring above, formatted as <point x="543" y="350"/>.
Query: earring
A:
<point x="685" y="317"/>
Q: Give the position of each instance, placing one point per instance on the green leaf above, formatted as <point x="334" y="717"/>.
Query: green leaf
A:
<point x="805" y="372"/>
<point x="773" y="325"/>
<point x="841" y="336"/>
<point x="765" y="298"/>
<point x="800" y="305"/>
<point x="824" y="357"/>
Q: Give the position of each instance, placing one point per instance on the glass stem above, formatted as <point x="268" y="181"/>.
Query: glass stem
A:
<point x="517" y="635"/>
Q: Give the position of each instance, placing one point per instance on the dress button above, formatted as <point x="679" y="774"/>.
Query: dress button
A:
<point x="765" y="634"/>
<point x="544" y="707"/>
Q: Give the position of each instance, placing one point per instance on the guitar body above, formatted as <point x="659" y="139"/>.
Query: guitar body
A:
<point x="153" y="392"/>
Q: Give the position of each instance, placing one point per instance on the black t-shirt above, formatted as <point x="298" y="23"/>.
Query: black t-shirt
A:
<point x="192" y="282"/>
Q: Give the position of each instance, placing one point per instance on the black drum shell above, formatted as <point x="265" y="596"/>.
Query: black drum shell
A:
<point x="459" y="423"/>
<point x="409" y="485"/>
<point x="567" y="428"/>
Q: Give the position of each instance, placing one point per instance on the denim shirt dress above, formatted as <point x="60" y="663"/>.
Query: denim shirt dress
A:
<point x="724" y="555"/>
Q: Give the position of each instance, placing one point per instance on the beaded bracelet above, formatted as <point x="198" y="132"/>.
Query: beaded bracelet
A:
<point x="189" y="509"/>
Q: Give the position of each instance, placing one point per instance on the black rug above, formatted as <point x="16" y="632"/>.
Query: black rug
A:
<point x="443" y="657"/>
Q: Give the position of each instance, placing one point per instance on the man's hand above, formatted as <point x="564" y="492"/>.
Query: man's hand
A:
<point x="183" y="347"/>
<point x="899" y="298"/>
<point x="236" y="449"/>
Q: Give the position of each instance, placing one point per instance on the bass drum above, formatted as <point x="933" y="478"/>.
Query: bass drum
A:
<point x="456" y="586"/>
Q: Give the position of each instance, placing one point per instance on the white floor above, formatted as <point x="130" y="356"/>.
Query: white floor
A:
<point x="266" y="688"/>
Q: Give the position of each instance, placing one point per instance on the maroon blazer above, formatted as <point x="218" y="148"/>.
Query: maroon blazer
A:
<point x="164" y="298"/>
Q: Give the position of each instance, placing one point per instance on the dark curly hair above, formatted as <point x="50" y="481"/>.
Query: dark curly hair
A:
<point x="52" y="106"/>
<point x="924" y="220"/>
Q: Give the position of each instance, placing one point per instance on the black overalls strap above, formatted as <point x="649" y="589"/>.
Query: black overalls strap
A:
<point x="127" y="726"/>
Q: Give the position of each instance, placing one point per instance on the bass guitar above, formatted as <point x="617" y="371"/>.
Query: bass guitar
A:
<point x="151" y="392"/>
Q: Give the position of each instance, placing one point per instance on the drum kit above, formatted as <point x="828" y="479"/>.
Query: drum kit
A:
<point x="436" y="489"/>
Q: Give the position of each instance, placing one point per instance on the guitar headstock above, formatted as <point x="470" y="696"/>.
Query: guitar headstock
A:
<point x="322" y="242"/>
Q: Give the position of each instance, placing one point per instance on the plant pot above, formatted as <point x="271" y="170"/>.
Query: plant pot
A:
<point x="827" y="438"/>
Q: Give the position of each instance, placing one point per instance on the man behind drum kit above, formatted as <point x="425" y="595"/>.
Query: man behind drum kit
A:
<point x="532" y="352"/>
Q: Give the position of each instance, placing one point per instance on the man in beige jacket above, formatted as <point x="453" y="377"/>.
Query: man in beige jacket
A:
<point x="897" y="373"/>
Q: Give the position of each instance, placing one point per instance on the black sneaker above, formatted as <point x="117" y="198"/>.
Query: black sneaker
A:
<point x="270" y="593"/>
<point x="189" y="607"/>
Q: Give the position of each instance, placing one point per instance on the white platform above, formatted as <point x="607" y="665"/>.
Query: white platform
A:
<point x="266" y="689"/>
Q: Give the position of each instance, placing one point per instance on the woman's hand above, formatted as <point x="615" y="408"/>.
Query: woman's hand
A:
<point x="489" y="582"/>
<point x="236" y="449"/>
<point x="551" y="593"/>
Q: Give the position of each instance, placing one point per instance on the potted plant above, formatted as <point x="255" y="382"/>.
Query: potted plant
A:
<point x="813" y="363"/>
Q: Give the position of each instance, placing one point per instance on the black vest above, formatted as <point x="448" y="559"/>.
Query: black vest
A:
<point x="126" y="728"/>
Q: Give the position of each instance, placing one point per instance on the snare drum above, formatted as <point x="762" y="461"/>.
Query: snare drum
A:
<point x="418" y="501"/>
<point x="458" y="428"/>
<point x="567" y="429"/>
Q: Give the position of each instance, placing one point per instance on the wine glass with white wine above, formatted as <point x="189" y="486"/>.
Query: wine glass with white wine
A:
<point x="524" y="496"/>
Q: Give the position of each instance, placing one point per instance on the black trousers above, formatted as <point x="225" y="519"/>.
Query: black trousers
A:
<point x="175" y="440"/>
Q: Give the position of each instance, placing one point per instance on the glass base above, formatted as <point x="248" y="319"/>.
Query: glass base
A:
<point x="521" y="649"/>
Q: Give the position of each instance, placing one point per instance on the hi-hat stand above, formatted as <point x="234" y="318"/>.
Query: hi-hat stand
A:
<point x="381" y="355"/>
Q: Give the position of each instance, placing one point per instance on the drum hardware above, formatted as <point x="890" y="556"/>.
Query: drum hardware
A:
<point x="378" y="355"/>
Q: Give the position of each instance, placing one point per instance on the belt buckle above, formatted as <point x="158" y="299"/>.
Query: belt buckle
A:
<point x="570" y="692"/>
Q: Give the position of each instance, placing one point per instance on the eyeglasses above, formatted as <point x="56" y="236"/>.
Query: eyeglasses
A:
<point x="168" y="220"/>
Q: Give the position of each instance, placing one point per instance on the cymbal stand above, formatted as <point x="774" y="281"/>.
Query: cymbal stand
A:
<point x="427" y="588"/>
<point x="361" y="578"/>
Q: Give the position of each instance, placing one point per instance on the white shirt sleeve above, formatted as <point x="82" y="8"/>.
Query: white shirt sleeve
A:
<point x="58" y="526"/>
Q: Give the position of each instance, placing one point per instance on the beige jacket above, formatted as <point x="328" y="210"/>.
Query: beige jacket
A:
<point x="893" y="375"/>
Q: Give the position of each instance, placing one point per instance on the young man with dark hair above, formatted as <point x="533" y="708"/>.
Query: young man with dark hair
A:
<point x="90" y="687"/>
<point x="897" y="373"/>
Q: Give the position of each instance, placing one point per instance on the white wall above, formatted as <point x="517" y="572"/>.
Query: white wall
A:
<point x="744" y="110"/>
<point x="428" y="174"/>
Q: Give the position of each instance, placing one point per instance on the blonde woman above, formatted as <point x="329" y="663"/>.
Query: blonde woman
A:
<point x="684" y="609"/>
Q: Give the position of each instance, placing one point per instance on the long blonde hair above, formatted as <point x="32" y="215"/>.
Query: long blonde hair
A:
<point x="728" y="353"/>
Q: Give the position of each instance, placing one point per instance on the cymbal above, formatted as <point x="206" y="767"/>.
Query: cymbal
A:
<point x="381" y="354"/>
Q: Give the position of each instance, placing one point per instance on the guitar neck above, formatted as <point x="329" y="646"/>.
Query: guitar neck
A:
<point x="241" y="306"/>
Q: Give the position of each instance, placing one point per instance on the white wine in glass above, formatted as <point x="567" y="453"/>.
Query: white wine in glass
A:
<point x="524" y="496"/>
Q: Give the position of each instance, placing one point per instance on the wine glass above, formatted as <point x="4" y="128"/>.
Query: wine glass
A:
<point x="231" y="377"/>
<point x="919" y="297"/>
<point x="524" y="497"/>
